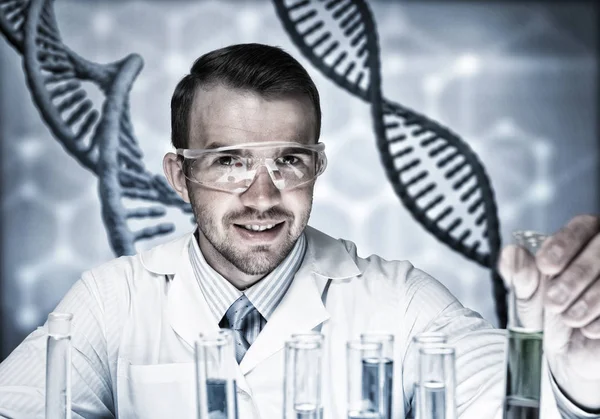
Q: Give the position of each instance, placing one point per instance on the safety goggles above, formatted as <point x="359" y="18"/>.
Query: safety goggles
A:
<point x="233" y="168"/>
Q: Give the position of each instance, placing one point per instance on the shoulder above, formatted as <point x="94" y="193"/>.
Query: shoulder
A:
<point x="125" y="274"/>
<point x="423" y="301"/>
<point x="161" y="259"/>
<point x="381" y="278"/>
<point x="398" y="272"/>
<point x="399" y="281"/>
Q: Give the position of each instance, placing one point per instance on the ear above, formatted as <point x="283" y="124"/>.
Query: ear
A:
<point x="173" y="169"/>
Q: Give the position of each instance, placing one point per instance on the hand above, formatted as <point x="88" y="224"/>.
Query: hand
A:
<point x="563" y="283"/>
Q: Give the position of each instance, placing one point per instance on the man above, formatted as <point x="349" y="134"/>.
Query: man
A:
<point x="246" y="123"/>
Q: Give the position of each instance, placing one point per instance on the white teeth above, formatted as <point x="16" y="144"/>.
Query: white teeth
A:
<point x="259" y="228"/>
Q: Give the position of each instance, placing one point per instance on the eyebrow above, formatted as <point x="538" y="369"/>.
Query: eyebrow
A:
<point x="295" y="150"/>
<point x="215" y="144"/>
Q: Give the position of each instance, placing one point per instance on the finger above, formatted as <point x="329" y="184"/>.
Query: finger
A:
<point x="592" y="330"/>
<point x="557" y="335"/>
<point x="565" y="288"/>
<point x="558" y="250"/>
<point x="585" y="309"/>
<point x="518" y="269"/>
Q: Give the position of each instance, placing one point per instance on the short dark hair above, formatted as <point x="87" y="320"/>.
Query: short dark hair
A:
<point x="264" y="69"/>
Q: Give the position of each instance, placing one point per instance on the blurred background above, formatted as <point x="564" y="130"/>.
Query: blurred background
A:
<point x="517" y="80"/>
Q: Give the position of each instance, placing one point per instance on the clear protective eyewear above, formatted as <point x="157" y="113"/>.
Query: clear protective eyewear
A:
<point x="234" y="168"/>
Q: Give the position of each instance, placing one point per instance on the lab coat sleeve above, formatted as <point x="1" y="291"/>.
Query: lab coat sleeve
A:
<point x="479" y="347"/>
<point x="566" y="407"/>
<point x="22" y="374"/>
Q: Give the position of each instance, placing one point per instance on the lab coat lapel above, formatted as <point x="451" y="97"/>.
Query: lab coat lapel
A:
<point x="189" y="314"/>
<point x="188" y="310"/>
<point x="300" y="310"/>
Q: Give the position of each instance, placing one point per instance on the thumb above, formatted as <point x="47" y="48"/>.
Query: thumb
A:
<point x="519" y="271"/>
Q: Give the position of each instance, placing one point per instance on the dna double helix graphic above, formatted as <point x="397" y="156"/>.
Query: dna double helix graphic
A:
<point x="102" y="141"/>
<point x="436" y="175"/>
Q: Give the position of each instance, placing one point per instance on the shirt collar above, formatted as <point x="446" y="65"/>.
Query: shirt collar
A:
<point x="265" y="295"/>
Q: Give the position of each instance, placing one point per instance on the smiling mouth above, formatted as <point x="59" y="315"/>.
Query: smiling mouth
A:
<point x="259" y="228"/>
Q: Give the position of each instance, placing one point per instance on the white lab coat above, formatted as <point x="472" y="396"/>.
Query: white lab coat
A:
<point x="136" y="320"/>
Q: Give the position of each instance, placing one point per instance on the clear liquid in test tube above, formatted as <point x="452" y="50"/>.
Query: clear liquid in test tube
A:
<point x="385" y="375"/>
<point x="422" y="340"/>
<point x="58" y="366"/>
<point x="217" y="392"/>
<point x="363" y="415"/>
<point x="302" y="397"/>
<point x="525" y="345"/>
<point x="437" y="382"/>
<point x="366" y="371"/>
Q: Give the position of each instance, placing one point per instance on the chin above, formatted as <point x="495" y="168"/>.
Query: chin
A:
<point x="259" y="261"/>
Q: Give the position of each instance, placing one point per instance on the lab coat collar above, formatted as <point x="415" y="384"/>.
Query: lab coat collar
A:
<point x="165" y="258"/>
<point x="299" y="311"/>
<point x="328" y="257"/>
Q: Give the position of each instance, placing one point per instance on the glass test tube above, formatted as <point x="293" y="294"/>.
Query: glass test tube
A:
<point x="364" y="400"/>
<point x="385" y="374"/>
<point x="58" y="366"/>
<point x="217" y="397"/>
<point x="525" y="347"/>
<point x="302" y="378"/>
<point x="308" y="336"/>
<point x="437" y="383"/>
<point x="422" y="340"/>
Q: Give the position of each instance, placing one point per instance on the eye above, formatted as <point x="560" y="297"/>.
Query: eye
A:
<point x="290" y="160"/>
<point x="228" y="161"/>
<point x="225" y="161"/>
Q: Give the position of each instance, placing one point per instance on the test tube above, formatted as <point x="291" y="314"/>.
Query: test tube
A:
<point x="437" y="382"/>
<point x="422" y="340"/>
<point x="308" y="336"/>
<point x="525" y="346"/>
<point x="302" y="377"/>
<point x="386" y="373"/>
<point x="216" y="388"/>
<point x="364" y="383"/>
<point x="58" y="366"/>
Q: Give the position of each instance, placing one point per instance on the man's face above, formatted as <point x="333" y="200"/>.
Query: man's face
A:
<point x="222" y="116"/>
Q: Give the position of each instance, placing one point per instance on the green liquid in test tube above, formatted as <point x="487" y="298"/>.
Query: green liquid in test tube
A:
<point x="525" y="349"/>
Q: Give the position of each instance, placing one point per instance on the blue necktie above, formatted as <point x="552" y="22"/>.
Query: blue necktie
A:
<point x="237" y="316"/>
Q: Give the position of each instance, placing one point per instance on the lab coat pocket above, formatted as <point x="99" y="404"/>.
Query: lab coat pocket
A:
<point x="162" y="391"/>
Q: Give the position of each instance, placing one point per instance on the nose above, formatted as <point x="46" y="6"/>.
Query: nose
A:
<point x="262" y="194"/>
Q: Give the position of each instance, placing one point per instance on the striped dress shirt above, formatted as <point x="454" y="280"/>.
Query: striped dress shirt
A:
<point x="265" y="295"/>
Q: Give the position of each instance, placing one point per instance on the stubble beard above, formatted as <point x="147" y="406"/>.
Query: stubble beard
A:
<point x="258" y="260"/>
